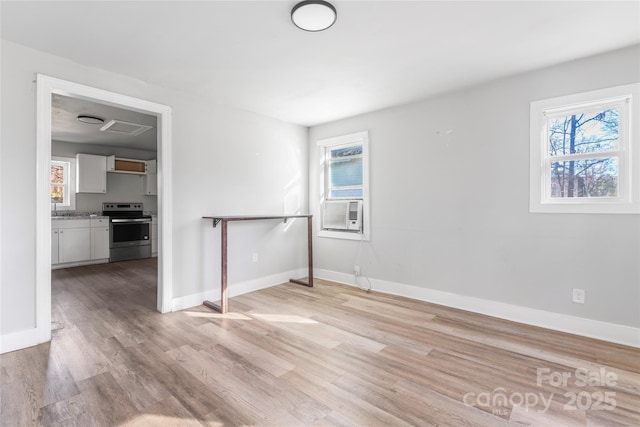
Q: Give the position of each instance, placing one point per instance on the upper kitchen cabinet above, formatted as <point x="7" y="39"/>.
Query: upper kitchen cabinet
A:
<point x="91" y="173"/>
<point x="151" y="179"/>
<point x="132" y="166"/>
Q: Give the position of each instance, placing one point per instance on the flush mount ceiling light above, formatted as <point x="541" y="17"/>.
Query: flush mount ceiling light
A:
<point x="92" y="120"/>
<point x="313" y="15"/>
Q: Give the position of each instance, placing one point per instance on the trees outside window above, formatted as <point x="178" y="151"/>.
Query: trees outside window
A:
<point x="572" y="137"/>
<point x="58" y="182"/>
<point x="583" y="153"/>
<point x="62" y="189"/>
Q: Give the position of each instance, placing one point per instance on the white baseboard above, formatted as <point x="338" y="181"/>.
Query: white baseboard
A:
<point x="621" y="334"/>
<point x="235" y="289"/>
<point x="79" y="263"/>
<point x="19" y="340"/>
<point x="612" y="332"/>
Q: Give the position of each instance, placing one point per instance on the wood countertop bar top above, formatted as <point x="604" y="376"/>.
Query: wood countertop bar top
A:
<point x="217" y="218"/>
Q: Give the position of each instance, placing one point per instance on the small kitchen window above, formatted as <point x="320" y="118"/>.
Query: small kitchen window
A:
<point x="62" y="190"/>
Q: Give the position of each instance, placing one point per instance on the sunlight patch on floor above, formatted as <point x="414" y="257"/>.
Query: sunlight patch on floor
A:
<point x="231" y="316"/>
<point x="163" y="420"/>
<point x="285" y="318"/>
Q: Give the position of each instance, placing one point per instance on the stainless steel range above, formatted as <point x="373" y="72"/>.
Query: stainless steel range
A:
<point x="129" y="231"/>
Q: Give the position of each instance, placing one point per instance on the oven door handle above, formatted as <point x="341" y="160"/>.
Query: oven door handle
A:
<point x="115" y="220"/>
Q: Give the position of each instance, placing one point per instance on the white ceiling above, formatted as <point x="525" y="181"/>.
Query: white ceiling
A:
<point x="65" y="126"/>
<point x="249" y="55"/>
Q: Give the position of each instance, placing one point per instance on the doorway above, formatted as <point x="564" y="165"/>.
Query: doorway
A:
<point x="47" y="87"/>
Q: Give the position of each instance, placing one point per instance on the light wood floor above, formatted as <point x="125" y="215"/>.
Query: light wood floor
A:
<point x="294" y="356"/>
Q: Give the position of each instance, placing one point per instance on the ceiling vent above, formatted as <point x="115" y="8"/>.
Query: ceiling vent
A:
<point x="125" y="128"/>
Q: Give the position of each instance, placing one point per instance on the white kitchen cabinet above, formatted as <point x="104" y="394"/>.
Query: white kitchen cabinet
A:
<point x="154" y="235"/>
<point x="150" y="180"/>
<point x="54" y="246"/>
<point x="74" y="244"/>
<point x="99" y="239"/>
<point x="91" y="173"/>
<point x="152" y="166"/>
<point x="79" y="241"/>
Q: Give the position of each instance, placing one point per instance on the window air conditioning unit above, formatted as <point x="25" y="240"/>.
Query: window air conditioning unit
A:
<point x="344" y="215"/>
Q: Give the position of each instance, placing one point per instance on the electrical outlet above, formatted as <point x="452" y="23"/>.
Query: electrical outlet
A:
<point x="255" y="257"/>
<point x="356" y="270"/>
<point x="579" y="295"/>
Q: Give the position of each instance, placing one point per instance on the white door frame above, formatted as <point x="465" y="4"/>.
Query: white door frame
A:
<point x="46" y="87"/>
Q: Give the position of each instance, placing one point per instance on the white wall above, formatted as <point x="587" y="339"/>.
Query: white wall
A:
<point x="224" y="161"/>
<point x="451" y="212"/>
<point x="120" y="187"/>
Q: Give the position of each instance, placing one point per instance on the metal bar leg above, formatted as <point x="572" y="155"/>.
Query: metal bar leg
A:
<point x="223" y="269"/>
<point x="223" y="306"/>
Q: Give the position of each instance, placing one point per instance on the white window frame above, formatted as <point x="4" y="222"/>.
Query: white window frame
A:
<point x="69" y="165"/>
<point x="628" y="152"/>
<point x="358" y="138"/>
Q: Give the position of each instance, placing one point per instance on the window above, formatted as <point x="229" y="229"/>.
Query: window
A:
<point x="583" y="154"/>
<point x="344" y="179"/>
<point x="344" y="171"/>
<point x="62" y="183"/>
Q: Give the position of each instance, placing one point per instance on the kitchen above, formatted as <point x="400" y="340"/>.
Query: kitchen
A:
<point x="103" y="184"/>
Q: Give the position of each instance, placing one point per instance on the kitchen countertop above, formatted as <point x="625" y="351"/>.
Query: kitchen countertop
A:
<point x="79" y="216"/>
<point x="88" y="215"/>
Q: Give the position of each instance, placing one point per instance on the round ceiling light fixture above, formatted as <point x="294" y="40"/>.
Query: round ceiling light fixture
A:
<point x="313" y="15"/>
<point x="91" y="120"/>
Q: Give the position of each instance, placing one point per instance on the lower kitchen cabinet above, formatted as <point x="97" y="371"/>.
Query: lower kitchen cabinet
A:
<point x="99" y="242"/>
<point x="74" y="244"/>
<point x="79" y="241"/>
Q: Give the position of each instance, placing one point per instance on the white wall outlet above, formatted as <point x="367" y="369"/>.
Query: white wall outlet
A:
<point x="356" y="270"/>
<point x="579" y="295"/>
<point x="255" y="257"/>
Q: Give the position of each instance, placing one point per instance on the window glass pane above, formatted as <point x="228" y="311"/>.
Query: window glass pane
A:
<point x="57" y="194"/>
<point x="585" y="178"/>
<point x="345" y="172"/>
<point x="584" y="132"/>
<point x="355" y="150"/>
<point x="57" y="174"/>
<point x="352" y="193"/>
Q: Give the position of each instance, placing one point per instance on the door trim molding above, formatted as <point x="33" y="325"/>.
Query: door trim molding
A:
<point x="46" y="87"/>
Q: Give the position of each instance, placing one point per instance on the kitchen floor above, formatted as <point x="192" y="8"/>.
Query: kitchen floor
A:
<point x="296" y="356"/>
<point x="92" y="292"/>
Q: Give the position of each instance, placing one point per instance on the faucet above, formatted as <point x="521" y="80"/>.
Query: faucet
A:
<point x="55" y="209"/>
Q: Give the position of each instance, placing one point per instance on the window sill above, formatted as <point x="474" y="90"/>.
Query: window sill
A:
<point x="579" y="207"/>
<point x="342" y="235"/>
